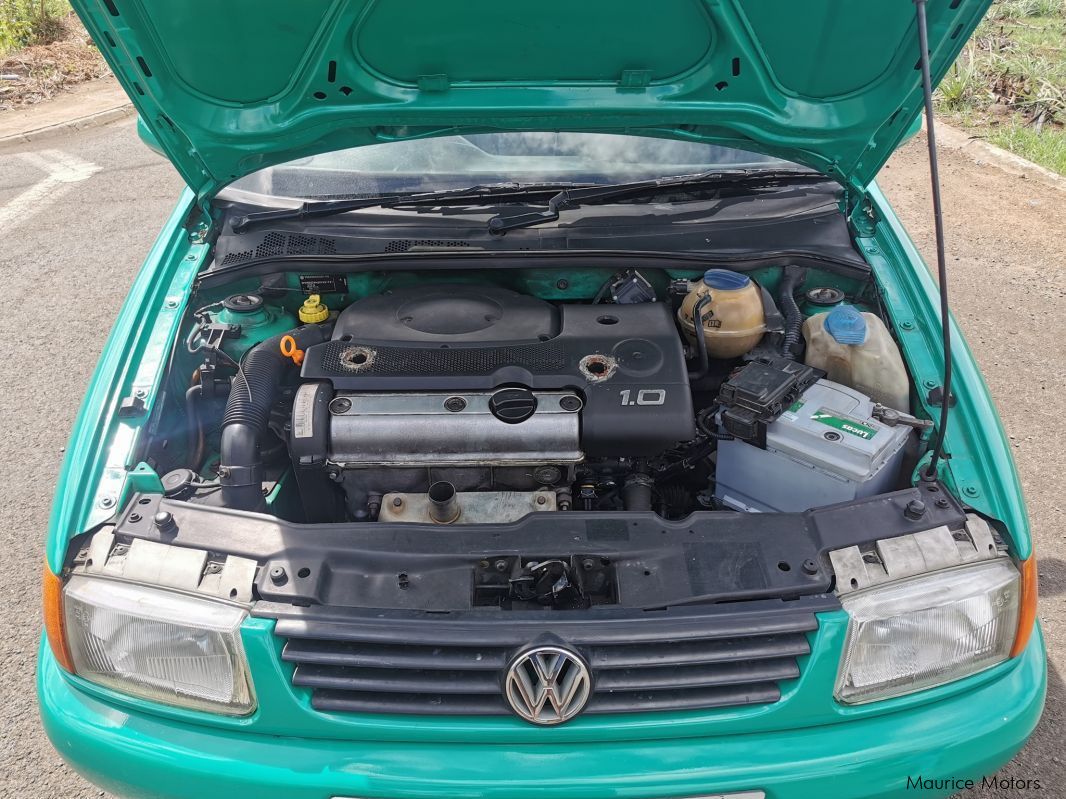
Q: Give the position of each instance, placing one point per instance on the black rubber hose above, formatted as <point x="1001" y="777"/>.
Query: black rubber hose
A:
<point x="701" y="341"/>
<point x="195" y="432"/>
<point x="636" y="493"/>
<point x="253" y="394"/>
<point x="786" y="299"/>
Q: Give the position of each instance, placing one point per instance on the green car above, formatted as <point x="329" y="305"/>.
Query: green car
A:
<point x="535" y="399"/>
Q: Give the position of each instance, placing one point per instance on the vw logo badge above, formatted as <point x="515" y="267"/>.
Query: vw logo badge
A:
<point x="547" y="685"/>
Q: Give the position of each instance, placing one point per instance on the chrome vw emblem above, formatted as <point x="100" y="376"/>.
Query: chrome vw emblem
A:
<point x="547" y="685"/>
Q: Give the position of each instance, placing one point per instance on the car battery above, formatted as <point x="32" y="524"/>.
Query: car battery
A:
<point x="825" y="448"/>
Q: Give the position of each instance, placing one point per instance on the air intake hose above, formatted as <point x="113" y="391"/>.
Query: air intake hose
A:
<point x="252" y="396"/>
<point x="786" y="298"/>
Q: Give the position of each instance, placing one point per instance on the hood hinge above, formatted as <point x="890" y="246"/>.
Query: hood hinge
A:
<point x="200" y="223"/>
<point x="858" y="210"/>
<point x="862" y="217"/>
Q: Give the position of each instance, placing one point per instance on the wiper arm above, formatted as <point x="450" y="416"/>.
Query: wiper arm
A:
<point x="566" y="195"/>
<point x="565" y="199"/>
<point x="313" y="210"/>
<point x="573" y="197"/>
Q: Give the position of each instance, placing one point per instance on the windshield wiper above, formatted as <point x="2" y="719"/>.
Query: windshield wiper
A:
<point x="560" y="195"/>
<point x="574" y="197"/>
<point x="501" y="192"/>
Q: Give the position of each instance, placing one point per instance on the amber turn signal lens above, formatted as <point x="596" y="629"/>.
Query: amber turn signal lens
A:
<point x="1027" y="611"/>
<point x="53" y="619"/>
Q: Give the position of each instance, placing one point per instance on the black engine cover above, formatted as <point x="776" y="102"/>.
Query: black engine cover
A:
<point x="626" y="361"/>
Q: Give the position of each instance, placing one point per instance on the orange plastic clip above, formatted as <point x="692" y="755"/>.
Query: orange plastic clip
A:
<point x="290" y="350"/>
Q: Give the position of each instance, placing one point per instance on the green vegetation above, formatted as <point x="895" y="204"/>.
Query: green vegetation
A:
<point x="29" y="22"/>
<point x="1009" y="84"/>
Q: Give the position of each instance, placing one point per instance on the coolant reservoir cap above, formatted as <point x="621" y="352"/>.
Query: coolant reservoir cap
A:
<point x="846" y="325"/>
<point x="725" y="279"/>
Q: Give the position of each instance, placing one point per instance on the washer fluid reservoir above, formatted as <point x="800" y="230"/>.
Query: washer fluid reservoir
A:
<point x="857" y="350"/>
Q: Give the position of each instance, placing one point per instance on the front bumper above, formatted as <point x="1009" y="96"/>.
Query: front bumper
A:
<point x="139" y="755"/>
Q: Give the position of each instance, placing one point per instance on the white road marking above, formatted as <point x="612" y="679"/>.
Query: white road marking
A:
<point x="62" y="171"/>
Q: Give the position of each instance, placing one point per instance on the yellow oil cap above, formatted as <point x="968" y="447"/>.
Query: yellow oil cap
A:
<point x="313" y="310"/>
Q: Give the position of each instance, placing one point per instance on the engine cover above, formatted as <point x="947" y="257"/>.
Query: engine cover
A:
<point x="625" y="361"/>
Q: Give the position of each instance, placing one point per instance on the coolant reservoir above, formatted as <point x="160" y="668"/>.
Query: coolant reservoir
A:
<point x="733" y="320"/>
<point x="856" y="350"/>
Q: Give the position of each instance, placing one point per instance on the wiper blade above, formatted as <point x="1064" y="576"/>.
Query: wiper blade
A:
<point x="312" y="210"/>
<point x="573" y="197"/>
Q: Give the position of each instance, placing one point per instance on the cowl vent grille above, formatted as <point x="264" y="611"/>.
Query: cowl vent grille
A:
<point x="237" y="257"/>
<point x="276" y="244"/>
<point x="405" y="245"/>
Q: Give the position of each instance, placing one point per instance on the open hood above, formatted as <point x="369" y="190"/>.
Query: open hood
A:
<point x="230" y="87"/>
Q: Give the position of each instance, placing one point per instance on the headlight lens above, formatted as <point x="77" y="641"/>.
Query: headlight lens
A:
<point x="928" y="631"/>
<point x="159" y="645"/>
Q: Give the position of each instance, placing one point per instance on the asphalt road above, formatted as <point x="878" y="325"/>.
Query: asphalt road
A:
<point x="68" y="254"/>
<point x="78" y="214"/>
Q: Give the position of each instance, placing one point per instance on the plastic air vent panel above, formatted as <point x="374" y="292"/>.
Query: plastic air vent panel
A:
<point x="403" y="245"/>
<point x="237" y="258"/>
<point x="277" y="244"/>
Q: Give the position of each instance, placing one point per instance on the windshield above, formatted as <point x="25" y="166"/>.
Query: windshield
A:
<point x="453" y="162"/>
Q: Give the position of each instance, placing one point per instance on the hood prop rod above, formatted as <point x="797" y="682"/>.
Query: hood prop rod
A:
<point x="938" y="221"/>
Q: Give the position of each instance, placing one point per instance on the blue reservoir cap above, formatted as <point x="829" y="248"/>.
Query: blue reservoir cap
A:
<point x="725" y="279"/>
<point x="846" y="325"/>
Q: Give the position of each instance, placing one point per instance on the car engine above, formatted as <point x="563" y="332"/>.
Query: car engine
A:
<point x="470" y="403"/>
<point x="486" y="389"/>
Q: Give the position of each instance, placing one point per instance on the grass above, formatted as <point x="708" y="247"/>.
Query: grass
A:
<point x="1009" y="83"/>
<point x="31" y="22"/>
<point x="53" y="54"/>
<point x="1047" y="148"/>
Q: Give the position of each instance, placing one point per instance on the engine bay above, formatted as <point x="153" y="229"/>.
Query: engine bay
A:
<point x="465" y="398"/>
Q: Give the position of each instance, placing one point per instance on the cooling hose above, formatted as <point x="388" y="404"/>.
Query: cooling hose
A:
<point x="637" y="492"/>
<point x="252" y="395"/>
<point x="702" y="357"/>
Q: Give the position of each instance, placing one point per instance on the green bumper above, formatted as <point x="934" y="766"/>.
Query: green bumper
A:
<point x="140" y="755"/>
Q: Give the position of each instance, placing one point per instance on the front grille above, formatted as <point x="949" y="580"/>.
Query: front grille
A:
<point x="378" y="665"/>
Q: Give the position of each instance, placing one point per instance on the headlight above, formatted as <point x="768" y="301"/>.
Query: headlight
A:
<point x="928" y="630"/>
<point x="157" y="644"/>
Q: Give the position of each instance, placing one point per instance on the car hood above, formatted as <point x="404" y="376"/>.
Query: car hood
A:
<point x="227" y="88"/>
